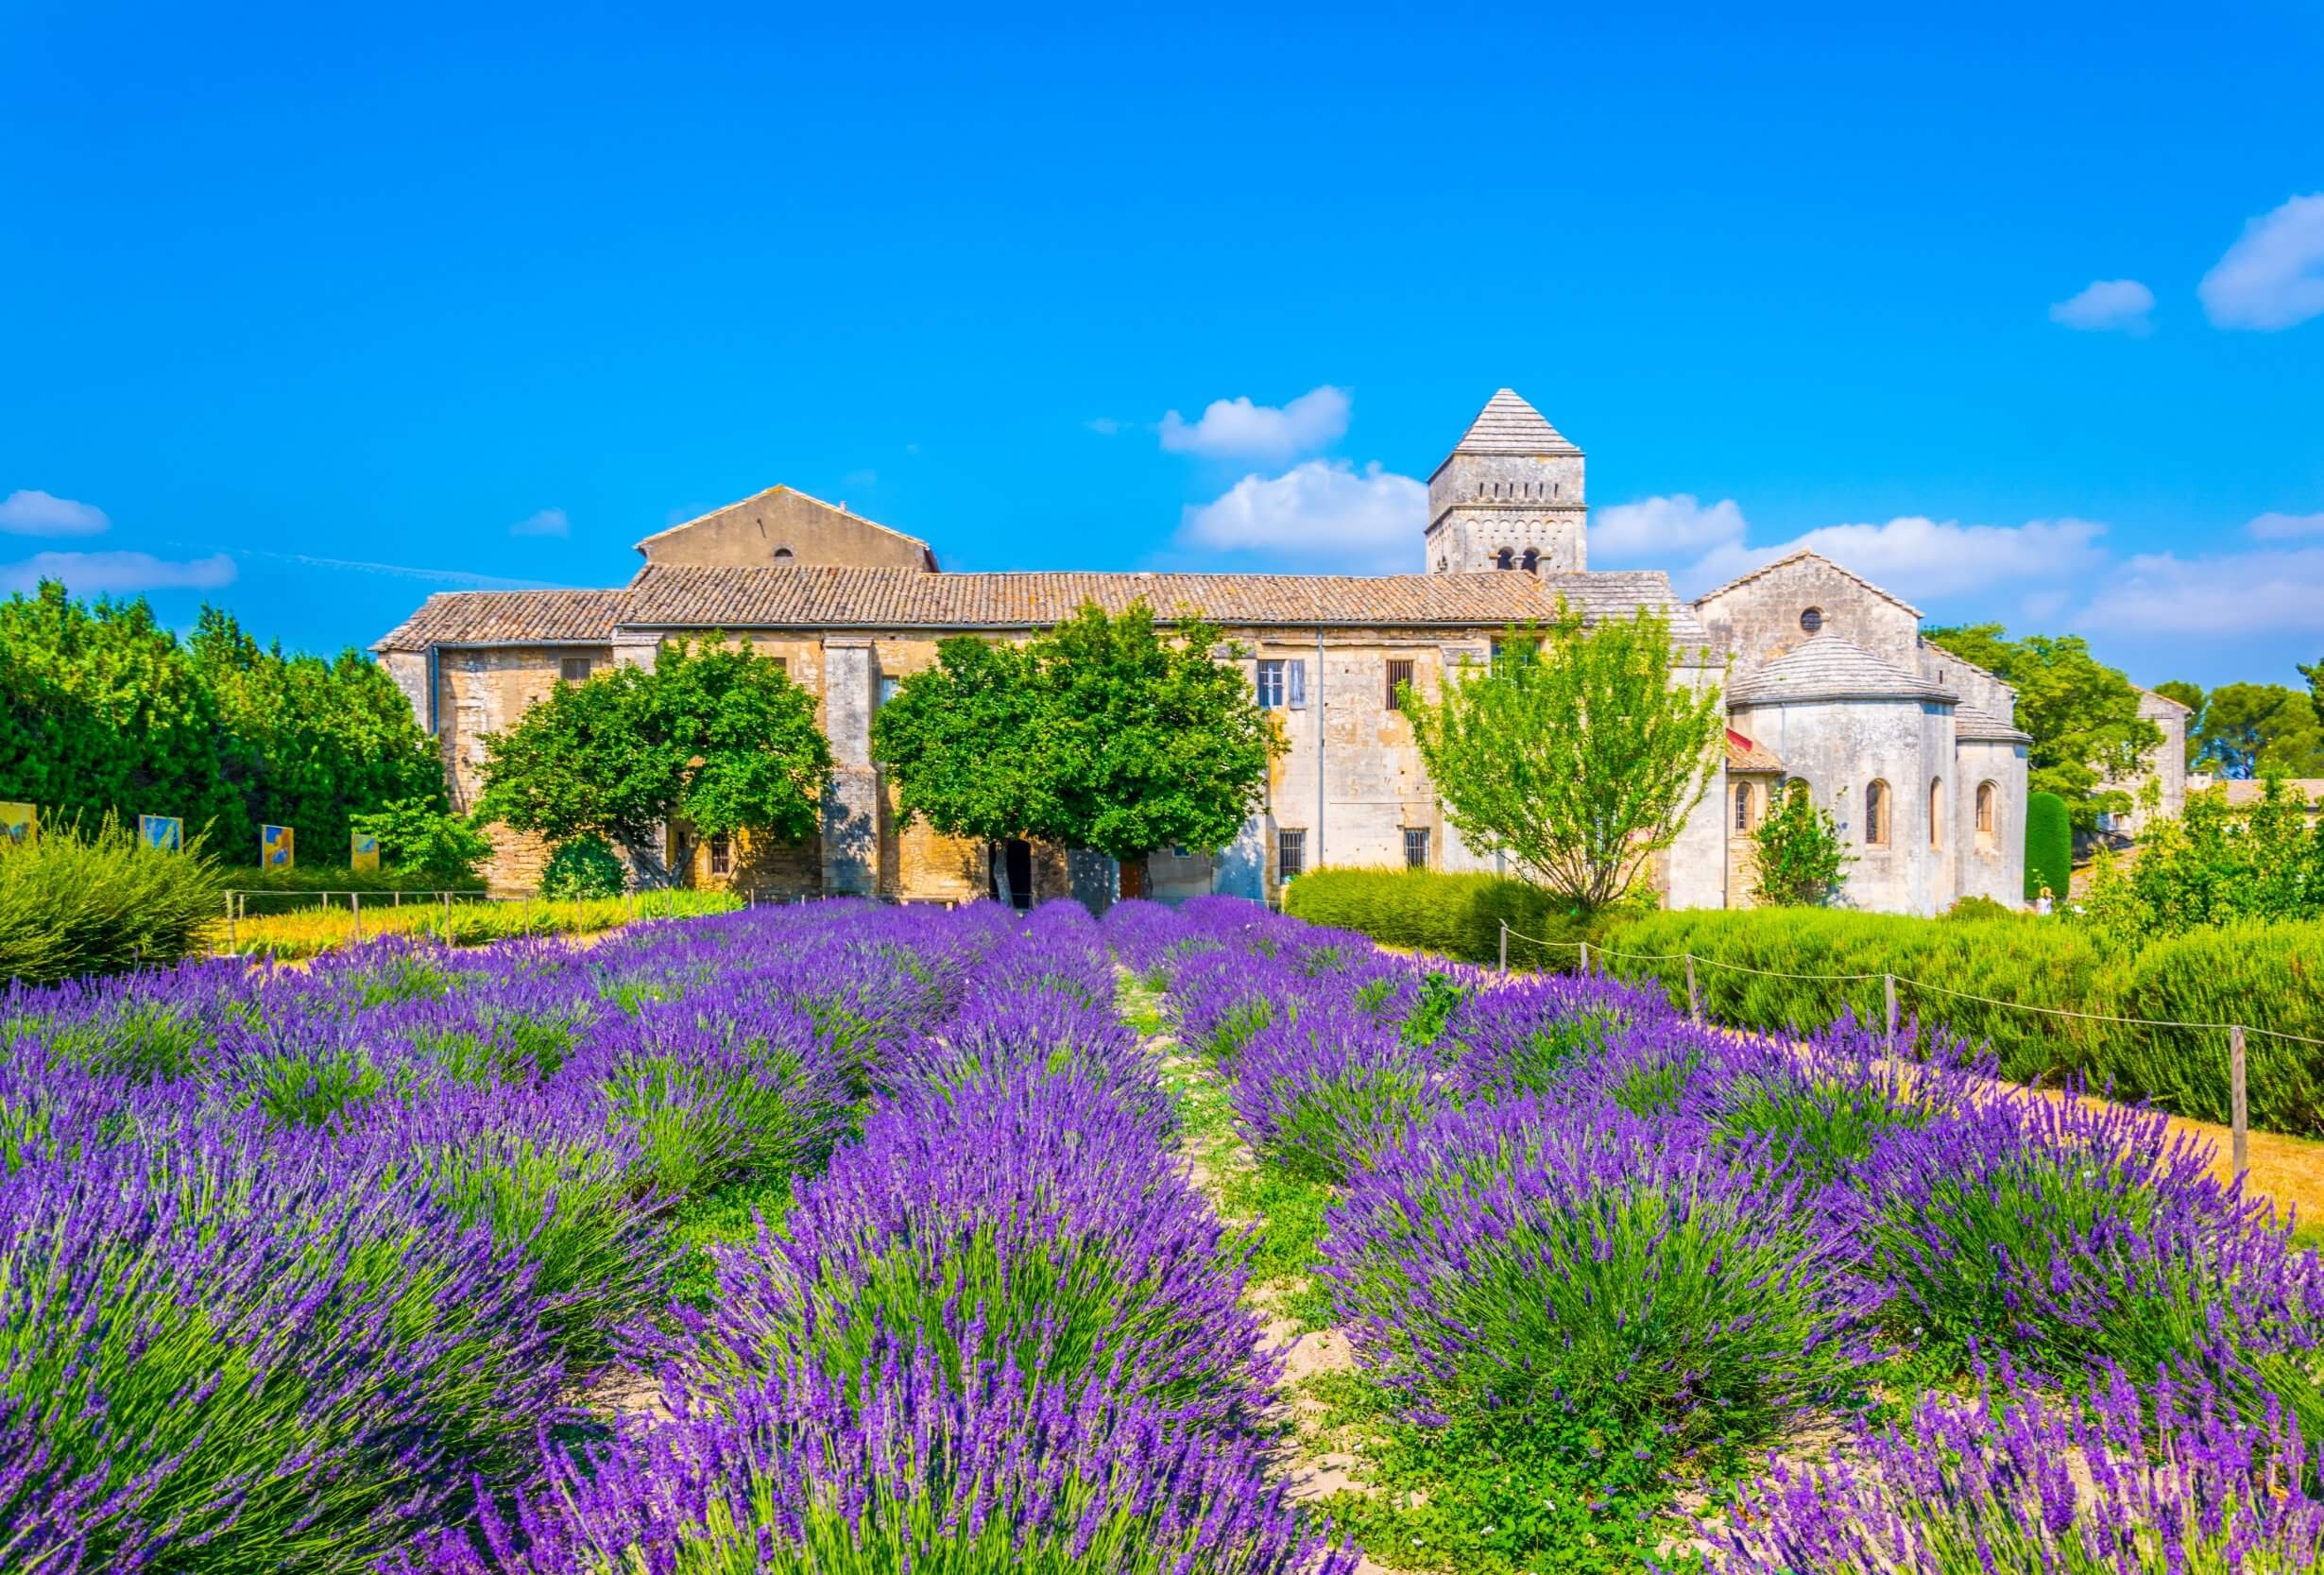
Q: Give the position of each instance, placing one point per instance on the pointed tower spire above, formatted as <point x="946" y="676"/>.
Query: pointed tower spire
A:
<point x="1509" y="425"/>
<point x="1509" y="496"/>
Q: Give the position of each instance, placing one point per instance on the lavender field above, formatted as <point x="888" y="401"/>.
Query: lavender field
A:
<point x="850" y="1239"/>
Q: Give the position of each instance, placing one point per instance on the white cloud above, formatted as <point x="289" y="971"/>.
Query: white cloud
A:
<point x="1324" y="513"/>
<point x="29" y="512"/>
<point x="116" y="574"/>
<point x="2279" y="528"/>
<point x="1658" y="530"/>
<point x="1237" y="429"/>
<point x="1106" y="426"/>
<point x="2231" y="595"/>
<point x="1919" y="557"/>
<point x="2115" y="305"/>
<point x="2273" y="276"/>
<point x="548" y="522"/>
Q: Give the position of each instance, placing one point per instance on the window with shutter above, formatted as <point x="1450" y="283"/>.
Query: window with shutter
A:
<point x="573" y="670"/>
<point x="1270" y="684"/>
<point x="1299" y="684"/>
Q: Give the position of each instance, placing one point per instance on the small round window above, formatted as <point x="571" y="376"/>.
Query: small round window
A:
<point x="1812" y="619"/>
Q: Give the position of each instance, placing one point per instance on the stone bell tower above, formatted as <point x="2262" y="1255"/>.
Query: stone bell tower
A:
<point x="1509" y="496"/>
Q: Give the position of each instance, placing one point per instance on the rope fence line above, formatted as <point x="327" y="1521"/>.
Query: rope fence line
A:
<point x="2239" y="1123"/>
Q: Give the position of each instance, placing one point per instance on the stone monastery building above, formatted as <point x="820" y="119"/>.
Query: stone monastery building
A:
<point x="1828" y="682"/>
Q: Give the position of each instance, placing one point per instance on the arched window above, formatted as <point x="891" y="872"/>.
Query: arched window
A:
<point x="1507" y="560"/>
<point x="782" y="552"/>
<point x="1742" y="806"/>
<point x="1936" y="811"/>
<point x="1811" y="620"/>
<point x="1985" y="814"/>
<point x="1532" y="561"/>
<point x="1876" y="814"/>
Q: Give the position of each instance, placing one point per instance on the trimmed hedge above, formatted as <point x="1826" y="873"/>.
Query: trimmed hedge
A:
<point x="1458" y="915"/>
<point x="2049" y="845"/>
<point x="2268" y="976"/>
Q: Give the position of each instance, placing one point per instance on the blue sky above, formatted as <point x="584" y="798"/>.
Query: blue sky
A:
<point x="299" y="308"/>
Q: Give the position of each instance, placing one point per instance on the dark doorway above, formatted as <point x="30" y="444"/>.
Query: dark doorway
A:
<point x="1017" y="855"/>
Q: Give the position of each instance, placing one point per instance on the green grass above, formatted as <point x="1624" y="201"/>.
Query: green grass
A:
<point x="1288" y="1210"/>
<point x="724" y="1217"/>
<point x="1577" y="1496"/>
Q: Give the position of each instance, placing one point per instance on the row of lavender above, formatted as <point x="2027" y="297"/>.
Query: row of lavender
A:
<point x="314" y="1270"/>
<point x="1563" y="1212"/>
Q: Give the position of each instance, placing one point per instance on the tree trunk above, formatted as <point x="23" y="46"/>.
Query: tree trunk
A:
<point x="997" y="859"/>
<point x="646" y="858"/>
<point x="1134" y="882"/>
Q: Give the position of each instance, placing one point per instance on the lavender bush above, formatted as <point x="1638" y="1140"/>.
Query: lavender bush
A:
<point x="1571" y="1260"/>
<point x="2019" y="1478"/>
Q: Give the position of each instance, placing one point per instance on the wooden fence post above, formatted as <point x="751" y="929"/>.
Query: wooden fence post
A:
<point x="230" y="921"/>
<point x="1887" y="989"/>
<point x="1504" y="945"/>
<point x="2238" y="1105"/>
<point x="1585" y="956"/>
<point x="354" y="915"/>
<point x="1694" y="1000"/>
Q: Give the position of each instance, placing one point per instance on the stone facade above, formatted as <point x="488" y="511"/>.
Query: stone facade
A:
<point x="1841" y="700"/>
<point x="2164" y="777"/>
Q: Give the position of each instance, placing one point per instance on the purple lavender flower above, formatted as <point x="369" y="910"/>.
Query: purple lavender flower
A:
<point x="2017" y="1477"/>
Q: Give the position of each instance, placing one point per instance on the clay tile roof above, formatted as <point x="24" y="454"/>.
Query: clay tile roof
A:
<point x="1828" y="667"/>
<point x="508" y="617"/>
<point x="677" y="596"/>
<point x="1745" y="755"/>
<point x="1803" y="553"/>
<point x="1509" y="425"/>
<point x="684" y="596"/>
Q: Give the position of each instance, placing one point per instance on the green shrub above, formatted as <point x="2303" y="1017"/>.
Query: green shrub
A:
<point x="2049" y="845"/>
<point x="1458" y="915"/>
<point x="420" y="838"/>
<point x="276" y="891"/>
<point x="584" y="868"/>
<point x="81" y="900"/>
<point x="2259" y="974"/>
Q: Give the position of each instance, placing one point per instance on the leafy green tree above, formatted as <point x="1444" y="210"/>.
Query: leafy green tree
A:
<point x="1100" y="733"/>
<point x="715" y="737"/>
<point x="1148" y="742"/>
<point x="2261" y="731"/>
<point x="101" y="713"/>
<point x="2083" y="714"/>
<point x="418" y="836"/>
<point x="1797" y="852"/>
<point x="311" y="743"/>
<point x="1575" y="752"/>
<point x="2215" y="864"/>
<point x="961" y="740"/>
<point x="2315" y="689"/>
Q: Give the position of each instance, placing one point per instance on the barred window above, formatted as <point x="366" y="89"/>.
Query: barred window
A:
<point x="1742" y="806"/>
<point x="1290" y="854"/>
<point x="1399" y="677"/>
<point x="1416" y="847"/>
<point x="721" y="856"/>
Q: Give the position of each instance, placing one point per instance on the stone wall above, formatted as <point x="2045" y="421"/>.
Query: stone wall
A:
<point x="1758" y="620"/>
<point x="1990" y="865"/>
<point x="1840" y="748"/>
<point x="780" y="527"/>
<point x="1480" y="503"/>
